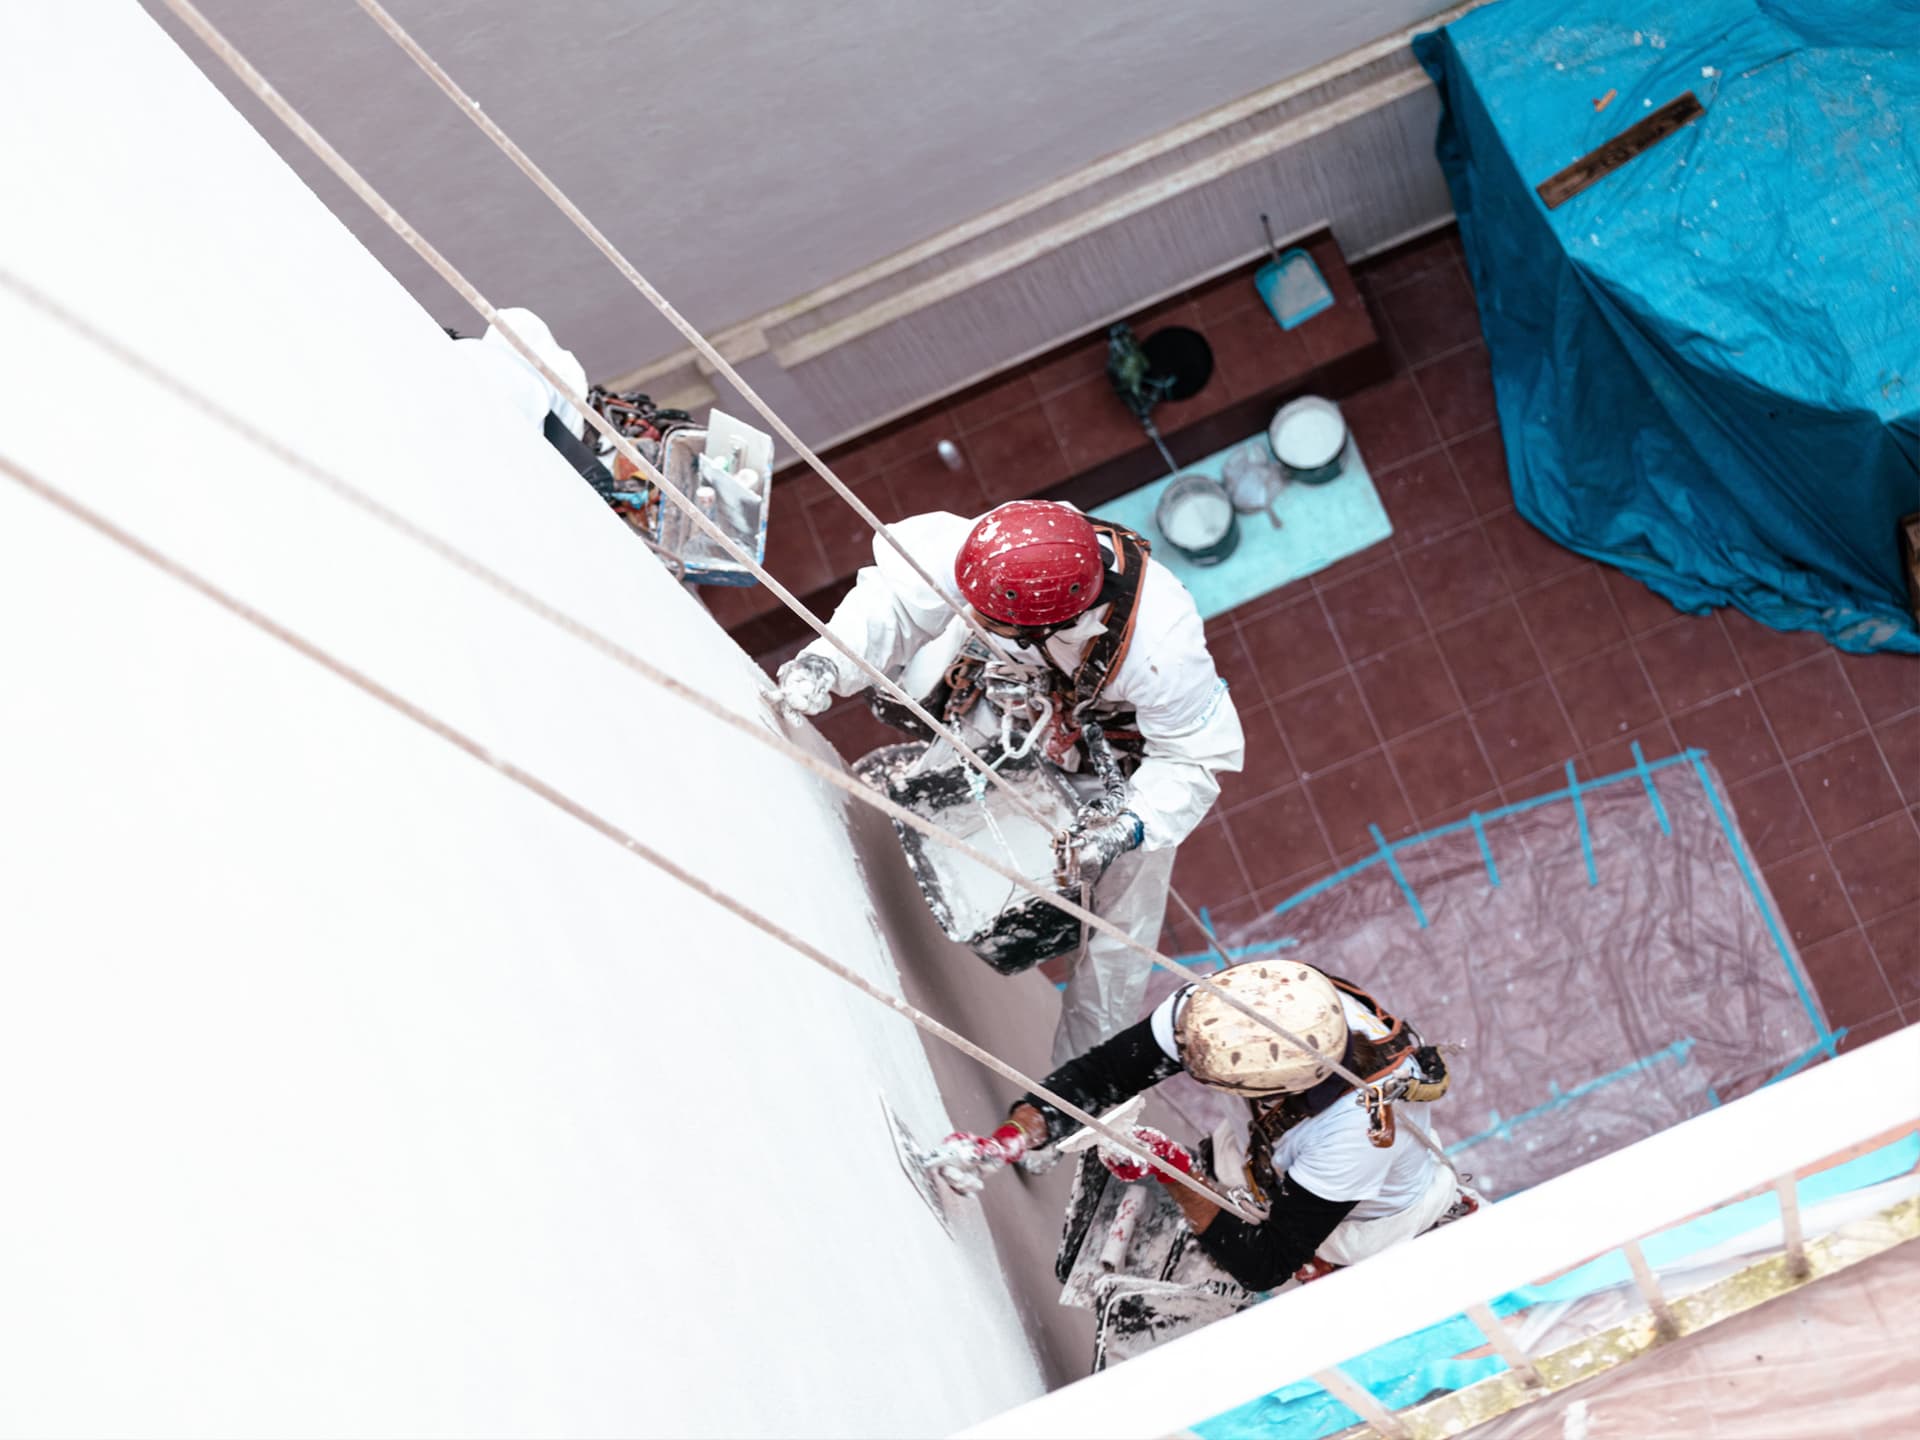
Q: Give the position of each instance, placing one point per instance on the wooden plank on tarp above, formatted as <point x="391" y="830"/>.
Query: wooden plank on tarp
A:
<point x="1636" y="139"/>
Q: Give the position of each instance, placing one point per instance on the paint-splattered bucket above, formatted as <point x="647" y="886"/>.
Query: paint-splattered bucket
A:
<point x="1308" y="437"/>
<point x="1196" y="517"/>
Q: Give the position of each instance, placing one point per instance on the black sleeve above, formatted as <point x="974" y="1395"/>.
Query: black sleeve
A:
<point x="1114" y="1070"/>
<point x="1265" y="1255"/>
<point x="578" y="454"/>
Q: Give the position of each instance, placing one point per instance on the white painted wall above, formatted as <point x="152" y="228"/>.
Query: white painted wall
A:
<point x="744" y="152"/>
<point x="350" y="1089"/>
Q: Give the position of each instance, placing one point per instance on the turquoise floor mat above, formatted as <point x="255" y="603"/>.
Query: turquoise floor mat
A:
<point x="1319" y="525"/>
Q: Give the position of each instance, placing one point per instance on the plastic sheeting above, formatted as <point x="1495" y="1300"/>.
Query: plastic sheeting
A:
<point x="1609" y="960"/>
<point x="1605" y="953"/>
<point x="1705" y="363"/>
<point x="1832" y="1360"/>
<point x="1591" y="1297"/>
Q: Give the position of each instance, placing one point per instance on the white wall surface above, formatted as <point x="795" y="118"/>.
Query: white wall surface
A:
<point x="744" y="152"/>
<point x="351" y="1089"/>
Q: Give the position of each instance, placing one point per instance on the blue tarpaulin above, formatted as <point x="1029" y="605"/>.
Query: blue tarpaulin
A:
<point x="1707" y="364"/>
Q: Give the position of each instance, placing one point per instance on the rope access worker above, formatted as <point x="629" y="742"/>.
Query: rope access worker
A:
<point x="1340" y="1173"/>
<point x="1090" y="628"/>
<point x="504" y="374"/>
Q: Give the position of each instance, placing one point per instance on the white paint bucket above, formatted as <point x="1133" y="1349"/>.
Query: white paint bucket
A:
<point x="1196" y="517"/>
<point x="1308" y="437"/>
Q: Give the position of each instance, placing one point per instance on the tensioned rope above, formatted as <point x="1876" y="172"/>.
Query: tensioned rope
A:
<point x="452" y="89"/>
<point x="704" y="347"/>
<point x="587" y="816"/>
<point x="230" y="56"/>
<point x="559" y="619"/>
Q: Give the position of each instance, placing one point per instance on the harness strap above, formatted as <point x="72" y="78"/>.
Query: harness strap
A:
<point x="1099" y="663"/>
<point x="1121" y="588"/>
<point x="1371" y="1059"/>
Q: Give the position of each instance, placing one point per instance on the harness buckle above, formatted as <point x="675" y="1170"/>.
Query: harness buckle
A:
<point x="1379" y="1107"/>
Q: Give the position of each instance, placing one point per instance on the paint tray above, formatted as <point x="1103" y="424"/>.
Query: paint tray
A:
<point x="1010" y="928"/>
<point x="1292" y="288"/>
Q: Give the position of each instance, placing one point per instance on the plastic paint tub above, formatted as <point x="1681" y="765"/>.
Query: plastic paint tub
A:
<point x="1308" y="437"/>
<point x="1196" y="517"/>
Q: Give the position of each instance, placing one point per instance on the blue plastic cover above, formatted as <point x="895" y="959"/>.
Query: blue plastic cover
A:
<point x="1707" y="364"/>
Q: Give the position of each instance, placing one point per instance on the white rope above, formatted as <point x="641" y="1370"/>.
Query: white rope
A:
<point x="507" y="146"/>
<point x="239" y="608"/>
<point x="606" y="247"/>
<point x="230" y="56"/>
<point x="831" y="774"/>
<point x="559" y="619"/>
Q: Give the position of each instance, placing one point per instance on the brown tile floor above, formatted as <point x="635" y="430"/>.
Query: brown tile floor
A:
<point x="1462" y="663"/>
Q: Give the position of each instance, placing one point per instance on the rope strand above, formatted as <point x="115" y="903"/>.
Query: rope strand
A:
<point x="365" y="502"/>
<point x="606" y="247"/>
<point x="592" y="819"/>
<point x="526" y="165"/>
<point x="230" y="56"/>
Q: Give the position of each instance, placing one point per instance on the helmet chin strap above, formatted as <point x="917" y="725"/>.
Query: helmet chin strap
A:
<point x="1078" y="630"/>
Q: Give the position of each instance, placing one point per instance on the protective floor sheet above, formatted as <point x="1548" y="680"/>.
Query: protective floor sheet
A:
<point x="1610" y="963"/>
<point x="1604" y="954"/>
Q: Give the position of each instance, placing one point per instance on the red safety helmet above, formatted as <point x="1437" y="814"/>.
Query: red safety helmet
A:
<point x="1031" y="563"/>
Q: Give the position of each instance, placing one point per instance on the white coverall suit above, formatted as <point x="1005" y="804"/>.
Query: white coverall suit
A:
<point x="515" y="384"/>
<point x="1183" y="714"/>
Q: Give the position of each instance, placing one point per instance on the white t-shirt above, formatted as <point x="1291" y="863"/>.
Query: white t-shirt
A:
<point x="1330" y="1154"/>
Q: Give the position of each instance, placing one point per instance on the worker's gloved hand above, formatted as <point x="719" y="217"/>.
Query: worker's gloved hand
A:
<point x="963" y="1161"/>
<point x="806" y="684"/>
<point x="1128" y="1167"/>
<point x="1082" y="853"/>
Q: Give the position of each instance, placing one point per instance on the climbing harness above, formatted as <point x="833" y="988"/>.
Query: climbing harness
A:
<point x="229" y="55"/>
<point x="1072" y="697"/>
<point x="1373" y="1061"/>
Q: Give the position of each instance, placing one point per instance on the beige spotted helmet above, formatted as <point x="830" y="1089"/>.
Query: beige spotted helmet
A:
<point x="1229" y="1050"/>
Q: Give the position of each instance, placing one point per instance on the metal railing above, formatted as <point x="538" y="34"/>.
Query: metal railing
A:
<point x="1750" y="1146"/>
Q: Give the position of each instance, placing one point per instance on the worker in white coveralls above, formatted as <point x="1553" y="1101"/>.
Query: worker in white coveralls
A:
<point x="1089" y="628"/>
<point x="494" y="369"/>
<point x="1339" y="1172"/>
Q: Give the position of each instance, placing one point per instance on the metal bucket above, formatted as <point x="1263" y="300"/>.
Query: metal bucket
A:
<point x="1009" y="928"/>
<point x="1196" y="517"/>
<point x="1309" y="438"/>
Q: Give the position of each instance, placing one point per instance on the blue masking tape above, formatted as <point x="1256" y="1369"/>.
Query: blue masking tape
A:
<point x="1580" y="814"/>
<point x="1486" y="850"/>
<point x="1558" y="1098"/>
<point x="1646" y="778"/>
<point x="1399" y="876"/>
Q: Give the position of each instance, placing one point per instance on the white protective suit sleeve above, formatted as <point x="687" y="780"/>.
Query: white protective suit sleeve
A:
<point x="539" y="339"/>
<point x="891" y="612"/>
<point x="1185" y="715"/>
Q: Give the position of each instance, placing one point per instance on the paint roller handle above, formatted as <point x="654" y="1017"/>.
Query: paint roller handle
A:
<point x="964" y="1160"/>
<point x="1129" y="1168"/>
